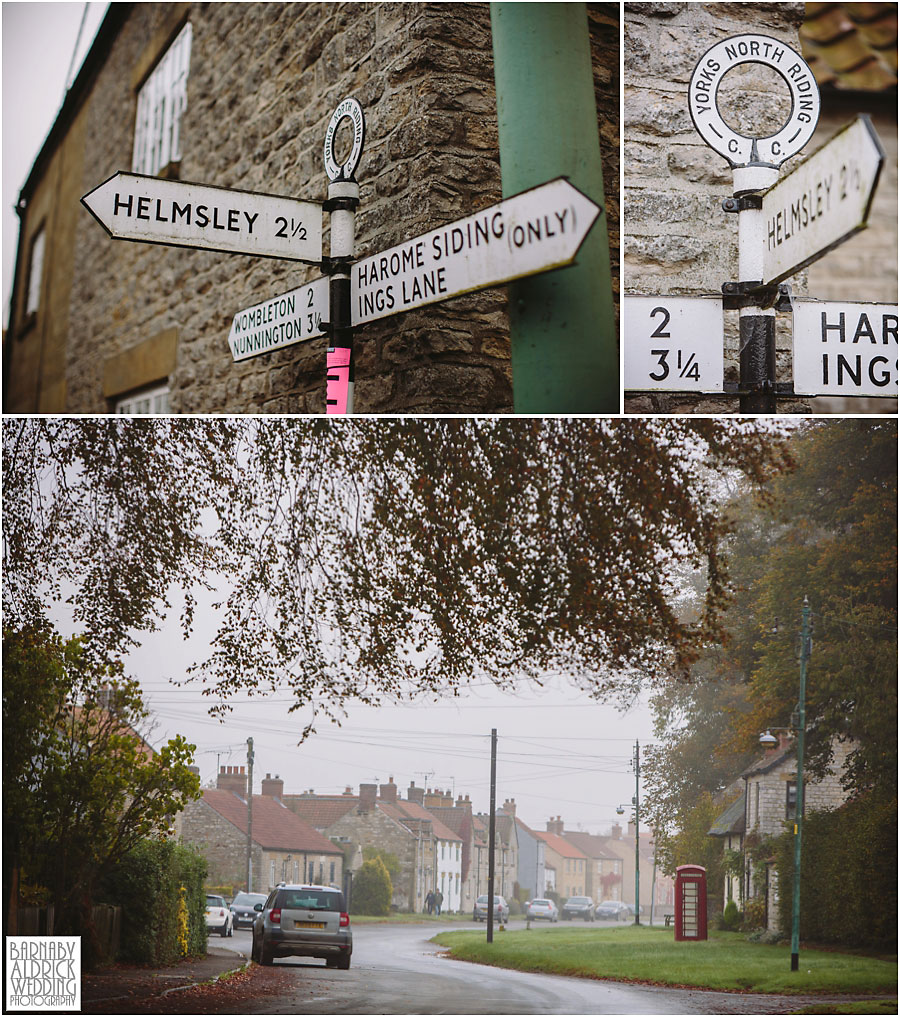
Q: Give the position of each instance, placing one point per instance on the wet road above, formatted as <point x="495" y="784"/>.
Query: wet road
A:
<point x="395" y="970"/>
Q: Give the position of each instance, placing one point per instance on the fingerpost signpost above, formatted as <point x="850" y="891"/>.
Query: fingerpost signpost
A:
<point x="783" y="226"/>
<point x="535" y="231"/>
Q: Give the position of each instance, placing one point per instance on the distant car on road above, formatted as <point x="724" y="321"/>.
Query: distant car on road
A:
<point x="579" y="907"/>
<point x="242" y="908"/>
<point x="616" y="909"/>
<point x="541" y="908"/>
<point x="218" y="917"/>
<point x="480" y="911"/>
<point x="303" y="921"/>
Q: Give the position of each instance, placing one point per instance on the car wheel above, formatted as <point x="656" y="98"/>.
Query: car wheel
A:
<point x="231" y="930"/>
<point x="343" y="962"/>
<point x="223" y="932"/>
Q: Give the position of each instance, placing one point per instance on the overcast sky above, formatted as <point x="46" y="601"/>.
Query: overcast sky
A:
<point x="38" y="45"/>
<point x="559" y="753"/>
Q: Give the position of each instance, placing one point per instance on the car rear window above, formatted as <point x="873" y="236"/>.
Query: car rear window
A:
<point x="311" y="900"/>
<point x="249" y="898"/>
<point x="215" y="902"/>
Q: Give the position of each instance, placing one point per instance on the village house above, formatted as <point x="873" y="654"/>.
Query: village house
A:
<point x="764" y="810"/>
<point x="458" y="818"/>
<point x="532" y="861"/>
<point x="506" y="851"/>
<point x="283" y="847"/>
<point x="603" y="872"/>
<point x="566" y="866"/>
<point x="429" y="852"/>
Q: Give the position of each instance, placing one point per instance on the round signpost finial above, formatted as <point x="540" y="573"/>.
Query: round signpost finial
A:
<point x="350" y="109"/>
<point x="739" y="150"/>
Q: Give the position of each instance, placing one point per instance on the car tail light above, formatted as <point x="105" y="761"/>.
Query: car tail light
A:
<point x="345" y="919"/>
<point x="275" y="916"/>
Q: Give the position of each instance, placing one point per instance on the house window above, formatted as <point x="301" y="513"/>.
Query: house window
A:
<point x="296" y="872"/>
<point x="146" y="400"/>
<point x="161" y="102"/>
<point x="790" y="804"/>
<point x="35" y="272"/>
<point x="272" y="873"/>
<point x="331" y="874"/>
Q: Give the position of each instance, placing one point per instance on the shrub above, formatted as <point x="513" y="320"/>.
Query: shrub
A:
<point x="146" y="883"/>
<point x="372" y="889"/>
<point x="848" y="877"/>
<point x="731" y="917"/>
<point x="754" y="914"/>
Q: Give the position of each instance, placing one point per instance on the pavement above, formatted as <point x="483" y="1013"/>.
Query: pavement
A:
<point x="123" y="984"/>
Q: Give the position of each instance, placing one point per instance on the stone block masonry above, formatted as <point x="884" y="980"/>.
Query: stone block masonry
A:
<point x="677" y="240"/>
<point x="264" y="80"/>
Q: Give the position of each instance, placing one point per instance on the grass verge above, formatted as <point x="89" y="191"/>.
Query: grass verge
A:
<point x="870" y="1006"/>
<point x="409" y="919"/>
<point x="726" y="961"/>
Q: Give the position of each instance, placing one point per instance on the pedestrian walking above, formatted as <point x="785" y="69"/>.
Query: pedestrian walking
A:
<point x="438" y="901"/>
<point x="429" y="902"/>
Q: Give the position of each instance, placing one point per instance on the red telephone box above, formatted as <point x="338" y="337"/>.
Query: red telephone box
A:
<point x="690" y="902"/>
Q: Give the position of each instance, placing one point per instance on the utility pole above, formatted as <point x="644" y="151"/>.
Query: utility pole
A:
<point x="249" y="815"/>
<point x="492" y="830"/>
<point x="637" y="841"/>
<point x="562" y="323"/>
<point x="805" y="650"/>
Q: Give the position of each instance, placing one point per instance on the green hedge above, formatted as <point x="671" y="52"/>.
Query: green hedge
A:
<point x="146" y="884"/>
<point x="848" y="882"/>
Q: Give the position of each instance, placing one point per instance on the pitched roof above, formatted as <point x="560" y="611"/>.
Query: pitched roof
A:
<point x="274" y="825"/>
<point x="767" y="763"/>
<point x="732" y="820"/>
<point x="416" y="811"/>
<point x="560" y="845"/>
<point x="320" y="812"/>
<point x="590" y="844"/>
<point x="851" y="45"/>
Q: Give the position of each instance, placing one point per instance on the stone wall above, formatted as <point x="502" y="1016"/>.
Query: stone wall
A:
<point x="223" y="846"/>
<point x="677" y="239"/>
<point x="263" y="83"/>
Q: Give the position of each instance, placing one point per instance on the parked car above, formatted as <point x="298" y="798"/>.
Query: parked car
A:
<point x="541" y="908"/>
<point x="303" y="921"/>
<point x="480" y="911"/>
<point x="242" y="908"/>
<point x="218" y="917"/>
<point x="616" y="909"/>
<point x="579" y="907"/>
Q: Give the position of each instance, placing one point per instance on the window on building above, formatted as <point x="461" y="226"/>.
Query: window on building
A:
<point x="161" y="102"/>
<point x="272" y="873"/>
<point x="145" y="400"/>
<point x="790" y="804"/>
<point x="312" y="873"/>
<point x="296" y="876"/>
<point x="756" y="823"/>
<point x="35" y="272"/>
<point x="331" y="874"/>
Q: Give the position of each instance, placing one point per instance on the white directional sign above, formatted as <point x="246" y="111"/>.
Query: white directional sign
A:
<point x="847" y="349"/>
<point x="673" y="344"/>
<point x="536" y="230"/>
<point x="822" y="202"/>
<point x="281" y="321"/>
<point x="155" y="211"/>
<point x="738" y="149"/>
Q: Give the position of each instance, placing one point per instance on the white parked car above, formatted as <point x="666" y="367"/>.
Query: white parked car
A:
<point x="541" y="908"/>
<point x="218" y="916"/>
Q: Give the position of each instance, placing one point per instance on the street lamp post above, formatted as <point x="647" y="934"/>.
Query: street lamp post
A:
<point x="637" y="844"/>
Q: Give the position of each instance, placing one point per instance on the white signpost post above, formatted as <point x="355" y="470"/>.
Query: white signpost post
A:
<point x="845" y="349"/>
<point x="673" y="344"/>
<point x="291" y="318"/>
<point x="822" y="202"/>
<point x="179" y="214"/>
<point x="531" y="232"/>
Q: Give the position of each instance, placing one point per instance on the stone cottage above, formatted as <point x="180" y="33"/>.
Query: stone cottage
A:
<point x="239" y="96"/>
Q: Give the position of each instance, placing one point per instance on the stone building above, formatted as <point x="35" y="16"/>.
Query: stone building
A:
<point x="428" y="851"/>
<point x="566" y="866"/>
<point x="769" y="802"/>
<point x="677" y="238"/>
<point x="283" y="847"/>
<point x="506" y="851"/>
<point x="604" y="868"/>
<point x="238" y="96"/>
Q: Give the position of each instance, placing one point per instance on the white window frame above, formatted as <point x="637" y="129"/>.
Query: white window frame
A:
<point x="161" y="101"/>
<point x="153" y="400"/>
<point x="35" y="271"/>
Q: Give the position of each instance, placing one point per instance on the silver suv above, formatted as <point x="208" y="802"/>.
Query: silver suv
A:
<point x="303" y="921"/>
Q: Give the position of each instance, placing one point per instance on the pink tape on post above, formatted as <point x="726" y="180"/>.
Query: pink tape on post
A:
<point x="337" y="379"/>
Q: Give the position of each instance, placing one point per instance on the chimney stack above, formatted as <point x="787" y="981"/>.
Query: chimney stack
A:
<point x="415" y="794"/>
<point x="388" y="792"/>
<point x="273" y="786"/>
<point x="509" y="807"/>
<point x="368" y="794"/>
<point x="232" y="778"/>
<point x="617" y="831"/>
<point x="556" y="826"/>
